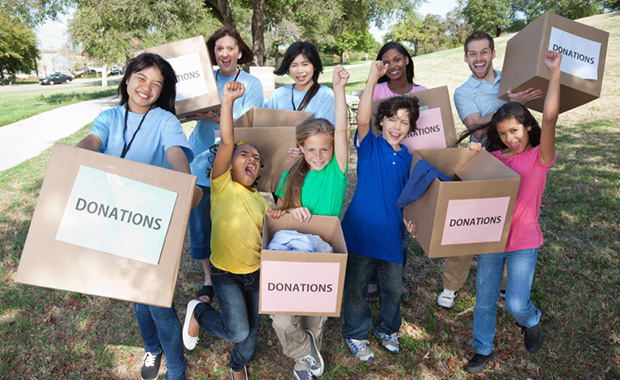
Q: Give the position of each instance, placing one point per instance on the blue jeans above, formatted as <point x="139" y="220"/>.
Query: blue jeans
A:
<point x="161" y="330"/>
<point x="357" y="314"/>
<point x="520" y="266"/>
<point x="238" y="319"/>
<point x="200" y="227"/>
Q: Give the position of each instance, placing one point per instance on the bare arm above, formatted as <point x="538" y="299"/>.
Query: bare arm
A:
<point x="474" y="120"/>
<point x="364" y="110"/>
<point x="178" y="161"/>
<point x="90" y="142"/>
<point x="341" y="134"/>
<point x="551" y="108"/>
<point x="232" y="91"/>
<point x="524" y="96"/>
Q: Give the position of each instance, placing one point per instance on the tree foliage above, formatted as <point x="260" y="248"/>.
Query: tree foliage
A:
<point x="491" y="16"/>
<point x="18" y="46"/>
<point x="33" y="12"/>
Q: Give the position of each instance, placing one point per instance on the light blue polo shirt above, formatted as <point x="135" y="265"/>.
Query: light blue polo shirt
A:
<point x="322" y="104"/>
<point x="372" y="224"/>
<point x="160" y="131"/>
<point x="203" y="135"/>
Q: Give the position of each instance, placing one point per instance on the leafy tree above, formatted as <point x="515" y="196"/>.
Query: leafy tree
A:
<point x="491" y="16"/>
<point x="33" y="12"/>
<point x="456" y="24"/>
<point x="18" y="46"/>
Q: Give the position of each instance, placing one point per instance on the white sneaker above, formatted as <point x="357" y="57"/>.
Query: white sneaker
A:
<point x="189" y="341"/>
<point x="446" y="299"/>
<point x="390" y="342"/>
<point x="360" y="349"/>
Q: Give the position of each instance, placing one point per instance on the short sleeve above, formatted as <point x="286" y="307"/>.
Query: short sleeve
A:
<point x="280" y="191"/>
<point x="101" y="128"/>
<point x="464" y="103"/>
<point x="172" y="135"/>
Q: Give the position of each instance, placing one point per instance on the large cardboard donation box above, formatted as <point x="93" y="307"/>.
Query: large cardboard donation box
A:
<point x="435" y="126"/>
<point x="583" y="50"/>
<point x="303" y="283"/>
<point x="470" y="215"/>
<point x="107" y="226"/>
<point x="196" y="85"/>
<point x="272" y="132"/>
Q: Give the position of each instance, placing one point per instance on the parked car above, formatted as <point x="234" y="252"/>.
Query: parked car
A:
<point x="115" y="72"/>
<point x="55" y="79"/>
<point x="86" y="72"/>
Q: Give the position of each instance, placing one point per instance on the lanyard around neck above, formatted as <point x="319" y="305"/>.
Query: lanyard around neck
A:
<point x="235" y="78"/>
<point x="302" y="100"/>
<point x="125" y="145"/>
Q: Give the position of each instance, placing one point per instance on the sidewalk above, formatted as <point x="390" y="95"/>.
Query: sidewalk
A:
<point x="27" y="138"/>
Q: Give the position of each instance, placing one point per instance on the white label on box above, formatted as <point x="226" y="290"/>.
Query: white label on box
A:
<point x="475" y="220"/>
<point x="580" y="56"/>
<point x="299" y="286"/>
<point x="429" y="133"/>
<point x="117" y="215"/>
<point x="191" y="81"/>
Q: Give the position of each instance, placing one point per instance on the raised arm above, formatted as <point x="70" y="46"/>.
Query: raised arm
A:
<point x="341" y="134"/>
<point x="551" y="109"/>
<point x="232" y="91"/>
<point x="364" y="110"/>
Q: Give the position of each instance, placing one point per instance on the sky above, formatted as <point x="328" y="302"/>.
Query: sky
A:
<point x="53" y="35"/>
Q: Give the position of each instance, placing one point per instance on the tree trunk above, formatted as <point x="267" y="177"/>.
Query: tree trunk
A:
<point x="221" y="11"/>
<point x="258" y="32"/>
<point x="104" y="76"/>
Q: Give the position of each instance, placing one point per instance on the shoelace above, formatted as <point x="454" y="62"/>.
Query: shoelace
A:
<point x="149" y="359"/>
<point x="359" y="346"/>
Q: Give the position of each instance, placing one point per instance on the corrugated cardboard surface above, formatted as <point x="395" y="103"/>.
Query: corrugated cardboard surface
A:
<point x="328" y="228"/>
<point x="50" y="263"/>
<point x="437" y="97"/>
<point x="524" y="65"/>
<point x="481" y="176"/>
<point x="272" y="132"/>
<point x="204" y="103"/>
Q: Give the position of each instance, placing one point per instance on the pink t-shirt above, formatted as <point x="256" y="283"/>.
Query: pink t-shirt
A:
<point x="383" y="91"/>
<point x="524" y="230"/>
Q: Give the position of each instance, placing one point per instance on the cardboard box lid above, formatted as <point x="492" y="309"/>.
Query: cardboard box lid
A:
<point x="524" y="62"/>
<point x="268" y="117"/>
<point x="435" y="127"/>
<point x="480" y="176"/>
<point x="194" y="70"/>
<point x="49" y="262"/>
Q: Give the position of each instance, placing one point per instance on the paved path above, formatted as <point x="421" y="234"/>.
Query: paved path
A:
<point x="27" y="138"/>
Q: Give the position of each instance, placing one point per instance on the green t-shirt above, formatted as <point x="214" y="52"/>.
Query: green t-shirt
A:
<point x="323" y="191"/>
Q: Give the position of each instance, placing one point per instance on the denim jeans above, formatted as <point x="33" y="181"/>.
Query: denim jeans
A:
<point x="238" y="319"/>
<point x="161" y="330"/>
<point x="200" y="227"/>
<point x="520" y="266"/>
<point x="357" y="314"/>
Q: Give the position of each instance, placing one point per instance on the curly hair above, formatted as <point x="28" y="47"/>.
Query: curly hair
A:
<point x="390" y="107"/>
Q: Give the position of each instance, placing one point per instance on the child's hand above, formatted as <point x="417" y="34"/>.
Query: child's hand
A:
<point x="296" y="153"/>
<point x="341" y="76"/>
<point x="302" y="214"/>
<point x="553" y="60"/>
<point x="275" y="213"/>
<point x="474" y="147"/>
<point x="378" y="69"/>
<point x="233" y="90"/>
<point x="410" y="226"/>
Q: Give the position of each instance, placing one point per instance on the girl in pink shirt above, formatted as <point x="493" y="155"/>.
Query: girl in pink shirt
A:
<point x="516" y="139"/>
<point x="398" y="79"/>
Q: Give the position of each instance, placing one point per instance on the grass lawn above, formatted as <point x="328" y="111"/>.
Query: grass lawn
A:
<point x="49" y="334"/>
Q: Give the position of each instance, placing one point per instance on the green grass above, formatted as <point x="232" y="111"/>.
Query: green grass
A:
<point x="49" y="334"/>
<point x="18" y="104"/>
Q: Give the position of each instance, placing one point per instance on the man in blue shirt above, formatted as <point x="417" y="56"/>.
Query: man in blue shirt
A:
<point x="476" y="101"/>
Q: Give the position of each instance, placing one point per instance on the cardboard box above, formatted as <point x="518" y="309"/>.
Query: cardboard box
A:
<point x="196" y="85"/>
<point x="469" y="216"/>
<point x="583" y="50"/>
<point x="303" y="283"/>
<point x="272" y="132"/>
<point x="107" y="226"/>
<point x="267" y="78"/>
<point x="435" y="126"/>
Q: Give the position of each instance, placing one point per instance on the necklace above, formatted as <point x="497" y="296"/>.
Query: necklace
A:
<point x="125" y="145"/>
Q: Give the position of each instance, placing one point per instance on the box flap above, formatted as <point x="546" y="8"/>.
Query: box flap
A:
<point x="268" y="117"/>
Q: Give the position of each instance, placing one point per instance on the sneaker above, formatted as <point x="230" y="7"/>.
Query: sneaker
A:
<point x="150" y="367"/>
<point x="390" y="342"/>
<point x="302" y="369"/>
<point x="446" y="299"/>
<point x="189" y="341"/>
<point x="314" y="358"/>
<point x="502" y="293"/>
<point x="360" y="349"/>
<point x="533" y="338"/>
<point x="479" y="362"/>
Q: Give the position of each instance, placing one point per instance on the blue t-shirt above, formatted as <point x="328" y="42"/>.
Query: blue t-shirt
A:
<point x="477" y="96"/>
<point x="322" y="104"/>
<point x="160" y="131"/>
<point x="203" y="136"/>
<point x="372" y="224"/>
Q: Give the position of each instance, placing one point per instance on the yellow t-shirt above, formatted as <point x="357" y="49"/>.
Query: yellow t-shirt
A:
<point x="237" y="225"/>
